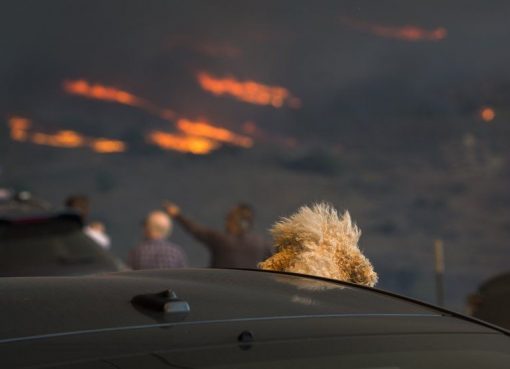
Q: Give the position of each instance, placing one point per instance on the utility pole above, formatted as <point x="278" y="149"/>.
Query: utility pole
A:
<point x="439" y="257"/>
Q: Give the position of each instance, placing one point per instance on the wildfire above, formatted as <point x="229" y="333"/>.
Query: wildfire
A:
<point x="406" y="32"/>
<point x="21" y="131"/>
<point x="100" y="92"/>
<point x="487" y="114"/>
<point x="187" y="144"/>
<point x="106" y="146"/>
<point x="248" y="91"/>
<point x="197" y="137"/>
<point x="206" y="130"/>
<point x="66" y="139"/>
<point x="19" y="128"/>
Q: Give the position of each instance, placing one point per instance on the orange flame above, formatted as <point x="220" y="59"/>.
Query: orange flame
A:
<point x="248" y="91"/>
<point x="97" y="91"/>
<point x="20" y="131"/>
<point x="19" y="128"/>
<point x="100" y="92"/>
<point x="487" y="114"/>
<point x="206" y="130"/>
<point x="406" y="33"/>
<point x="186" y="144"/>
<point x="106" y="146"/>
<point x="66" y="139"/>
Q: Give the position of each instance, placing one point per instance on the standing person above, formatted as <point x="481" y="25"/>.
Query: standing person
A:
<point x="155" y="252"/>
<point x="236" y="247"/>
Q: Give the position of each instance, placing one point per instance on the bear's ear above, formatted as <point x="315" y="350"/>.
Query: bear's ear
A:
<point x="306" y="225"/>
<point x="361" y="271"/>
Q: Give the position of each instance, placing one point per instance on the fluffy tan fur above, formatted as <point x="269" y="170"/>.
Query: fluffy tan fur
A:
<point x="316" y="241"/>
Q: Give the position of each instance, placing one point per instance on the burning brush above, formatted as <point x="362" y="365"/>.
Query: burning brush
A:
<point x="316" y="241"/>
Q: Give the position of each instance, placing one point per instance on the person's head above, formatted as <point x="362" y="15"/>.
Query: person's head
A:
<point x="239" y="219"/>
<point x="79" y="203"/>
<point x="97" y="226"/>
<point x="157" y="225"/>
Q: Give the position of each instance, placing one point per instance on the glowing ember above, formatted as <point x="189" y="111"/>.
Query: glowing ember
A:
<point x="106" y="146"/>
<point x="406" y="33"/>
<point x="186" y="144"/>
<point x="19" y="128"/>
<point x="100" y="92"/>
<point x="487" y="114"/>
<point x="206" y="130"/>
<point x="248" y="91"/>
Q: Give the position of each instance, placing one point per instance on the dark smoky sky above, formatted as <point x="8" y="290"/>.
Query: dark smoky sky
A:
<point x="341" y="74"/>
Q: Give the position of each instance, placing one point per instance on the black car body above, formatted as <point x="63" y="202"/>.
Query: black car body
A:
<point x="213" y="318"/>
<point x="45" y="244"/>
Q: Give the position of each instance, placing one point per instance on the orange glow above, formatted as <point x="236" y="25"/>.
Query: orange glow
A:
<point x="248" y="91"/>
<point x="101" y="92"/>
<point x="106" y="93"/>
<point x="19" y="128"/>
<point x="487" y="114"/>
<point x="406" y="32"/>
<point x="65" y="139"/>
<point x="20" y="131"/>
<point x="206" y="130"/>
<point x="107" y="146"/>
<point x="187" y="144"/>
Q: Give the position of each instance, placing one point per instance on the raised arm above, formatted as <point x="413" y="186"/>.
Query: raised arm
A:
<point x="202" y="233"/>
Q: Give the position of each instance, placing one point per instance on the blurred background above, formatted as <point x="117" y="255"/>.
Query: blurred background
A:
<point x="397" y="111"/>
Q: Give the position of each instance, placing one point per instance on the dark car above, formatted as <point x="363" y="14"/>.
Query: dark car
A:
<point x="43" y="244"/>
<point x="214" y="318"/>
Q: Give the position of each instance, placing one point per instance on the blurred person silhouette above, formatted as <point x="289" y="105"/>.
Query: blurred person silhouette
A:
<point x="95" y="230"/>
<point x="236" y="247"/>
<point x="79" y="204"/>
<point x="156" y="252"/>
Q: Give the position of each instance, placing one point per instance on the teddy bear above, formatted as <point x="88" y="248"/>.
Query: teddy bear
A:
<point x="317" y="241"/>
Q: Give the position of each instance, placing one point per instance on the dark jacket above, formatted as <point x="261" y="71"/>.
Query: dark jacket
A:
<point x="229" y="251"/>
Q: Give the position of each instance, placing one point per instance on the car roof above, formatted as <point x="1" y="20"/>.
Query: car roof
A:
<point x="35" y="216"/>
<point x="35" y="308"/>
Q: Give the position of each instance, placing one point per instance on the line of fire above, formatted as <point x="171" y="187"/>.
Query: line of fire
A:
<point x="21" y="131"/>
<point x="193" y="136"/>
<point x="248" y="91"/>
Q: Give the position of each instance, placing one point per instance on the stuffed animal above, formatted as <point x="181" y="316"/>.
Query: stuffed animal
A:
<point x="316" y="241"/>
